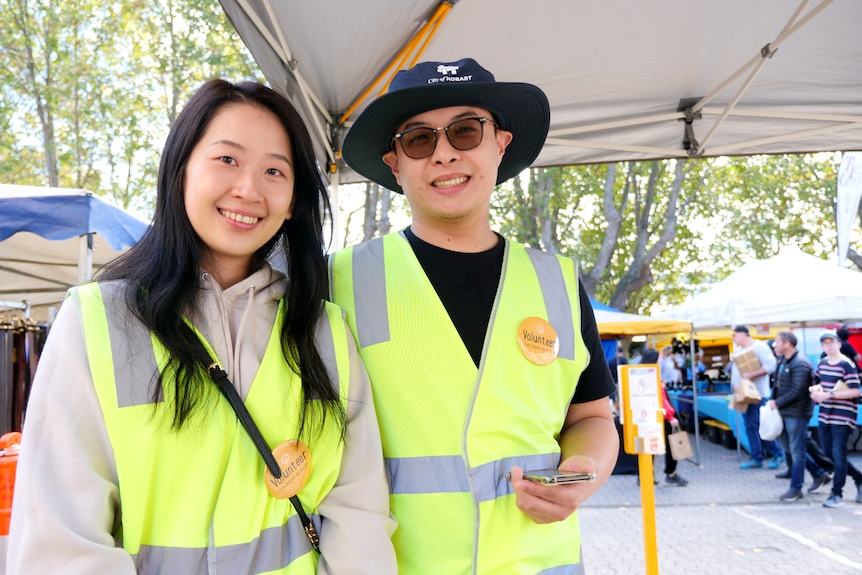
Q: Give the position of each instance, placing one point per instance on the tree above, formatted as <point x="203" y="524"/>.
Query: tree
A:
<point x="31" y="49"/>
<point x="377" y="204"/>
<point x="102" y="84"/>
<point x="380" y="209"/>
<point x="620" y="221"/>
<point x="651" y="233"/>
<point x="770" y="201"/>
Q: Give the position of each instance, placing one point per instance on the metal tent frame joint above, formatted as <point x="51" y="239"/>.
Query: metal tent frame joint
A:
<point x="689" y="141"/>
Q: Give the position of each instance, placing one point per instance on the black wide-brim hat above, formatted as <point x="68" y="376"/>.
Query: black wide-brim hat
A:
<point x="520" y="108"/>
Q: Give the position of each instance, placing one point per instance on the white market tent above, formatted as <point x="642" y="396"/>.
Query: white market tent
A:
<point x="791" y="288"/>
<point x="52" y="239"/>
<point x="627" y="79"/>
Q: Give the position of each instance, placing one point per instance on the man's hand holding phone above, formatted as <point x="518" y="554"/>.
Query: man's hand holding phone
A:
<point x="546" y="496"/>
<point x="554" y="476"/>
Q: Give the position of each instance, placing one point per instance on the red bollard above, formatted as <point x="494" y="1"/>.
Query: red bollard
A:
<point x="10" y="446"/>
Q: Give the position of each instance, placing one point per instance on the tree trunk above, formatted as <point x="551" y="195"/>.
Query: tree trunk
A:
<point x="32" y="86"/>
<point x="613" y="215"/>
<point x="639" y="273"/>
<point x="384" y="225"/>
<point x="541" y="205"/>
<point x="372" y="197"/>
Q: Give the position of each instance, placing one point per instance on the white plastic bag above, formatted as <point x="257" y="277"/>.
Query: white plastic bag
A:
<point x="771" y="423"/>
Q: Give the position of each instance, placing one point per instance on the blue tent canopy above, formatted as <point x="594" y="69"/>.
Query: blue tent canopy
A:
<point x="50" y="240"/>
<point x="62" y="214"/>
<point x="601" y="306"/>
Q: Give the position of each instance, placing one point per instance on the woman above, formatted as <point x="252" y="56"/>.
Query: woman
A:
<point x="133" y="461"/>
<point x="670" y="421"/>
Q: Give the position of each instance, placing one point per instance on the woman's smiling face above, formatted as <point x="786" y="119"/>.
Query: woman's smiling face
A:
<point x="238" y="187"/>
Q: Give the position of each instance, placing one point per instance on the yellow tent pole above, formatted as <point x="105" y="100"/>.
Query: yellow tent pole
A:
<point x="443" y="12"/>
<point x="398" y="60"/>
<point x="402" y="58"/>
<point x="645" y="473"/>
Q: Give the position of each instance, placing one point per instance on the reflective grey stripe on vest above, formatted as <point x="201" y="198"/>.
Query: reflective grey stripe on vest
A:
<point x="275" y="549"/>
<point x="577" y="569"/>
<point x="556" y="299"/>
<point x="135" y="368"/>
<point x="369" y="280"/>
<point x="369" y="288"/>
<point x="447" y="474"/>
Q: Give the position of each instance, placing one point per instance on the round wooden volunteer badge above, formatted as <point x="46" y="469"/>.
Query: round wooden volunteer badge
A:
<point x="294" y="459"/>
<point x="538" y="340"/>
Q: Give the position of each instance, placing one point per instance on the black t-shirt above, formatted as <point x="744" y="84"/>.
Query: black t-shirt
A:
<point x="466" y="284"/>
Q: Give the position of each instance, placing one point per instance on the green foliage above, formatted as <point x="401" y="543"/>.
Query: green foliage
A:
<point x="770" y="201"/>
<point x="90" y="88"/>
<point x="729" y="210"/>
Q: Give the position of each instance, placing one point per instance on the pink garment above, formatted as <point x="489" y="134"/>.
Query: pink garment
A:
<point x="669" y="411"/>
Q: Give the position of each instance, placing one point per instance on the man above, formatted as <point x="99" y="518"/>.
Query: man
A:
<point x="816" y="461"/>
<point x="751" y="416"/>
<point x="836" y="389"/>
<point x="484" y="355"/>
<point x="790" y="398"/>
<point x="617" y="360"/>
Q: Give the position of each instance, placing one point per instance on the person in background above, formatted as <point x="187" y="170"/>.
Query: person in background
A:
<point x="835" y="389"/>
<point x="699" y="368"/>
<point x="671" y="424"/>
<point x="636" y="353"/>
<point x="816" y="461"/>
<point x="751" y="416"/>
<point x="483" y="354"/>
<point x="650" y="356"/>
<point x="618" y="359"/>
<point x="668" y="371"/>
<point x="137" y="456"/>
<point x="794" y="375"/>
<point x="847" y="348"/>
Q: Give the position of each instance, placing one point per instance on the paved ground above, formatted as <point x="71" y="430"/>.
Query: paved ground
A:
<point x="727" y="521"/>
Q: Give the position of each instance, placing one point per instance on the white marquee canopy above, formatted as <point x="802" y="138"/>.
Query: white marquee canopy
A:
<point x="627" y="79"/>
<point x="790" y="288"/>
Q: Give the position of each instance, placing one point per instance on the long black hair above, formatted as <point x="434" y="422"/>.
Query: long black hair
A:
<point x="162" y="269"/>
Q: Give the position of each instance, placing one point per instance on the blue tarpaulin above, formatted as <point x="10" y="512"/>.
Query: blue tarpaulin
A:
<point x="52" y="239"/>
<point x="63" y="214"/>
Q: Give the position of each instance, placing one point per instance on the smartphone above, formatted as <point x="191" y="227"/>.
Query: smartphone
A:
<point x="554" y="476"/>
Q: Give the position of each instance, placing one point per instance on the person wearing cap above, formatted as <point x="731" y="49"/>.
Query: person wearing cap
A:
<point x="835" y="389"/>
<point x="484" y="355"/>
<point x="751" y="416"/>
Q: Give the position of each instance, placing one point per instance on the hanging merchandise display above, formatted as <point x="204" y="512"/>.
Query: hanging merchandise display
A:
<point x="21" y="342"/>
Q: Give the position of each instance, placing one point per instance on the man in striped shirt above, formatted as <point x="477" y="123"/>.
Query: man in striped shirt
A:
<point x="835" y="389"/>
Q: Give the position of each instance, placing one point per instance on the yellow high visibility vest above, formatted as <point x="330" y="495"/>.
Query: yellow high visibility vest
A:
<point x="194" y="501"/>
<point x="450" y="431"/>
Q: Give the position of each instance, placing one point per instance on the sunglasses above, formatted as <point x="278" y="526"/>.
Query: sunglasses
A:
<point x="465" y="134"/>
